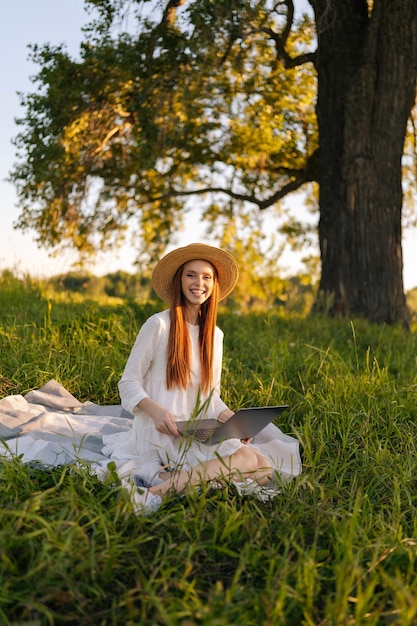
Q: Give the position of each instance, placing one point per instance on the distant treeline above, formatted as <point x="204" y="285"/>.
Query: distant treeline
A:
<point x="296" y="293"/>
<point x="119" y="284"/>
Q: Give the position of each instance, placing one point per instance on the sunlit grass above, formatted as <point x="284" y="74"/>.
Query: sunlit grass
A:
<point x="338" y="546"/>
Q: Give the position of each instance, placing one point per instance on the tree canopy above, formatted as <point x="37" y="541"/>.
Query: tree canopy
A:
<point x="190" y="99"/>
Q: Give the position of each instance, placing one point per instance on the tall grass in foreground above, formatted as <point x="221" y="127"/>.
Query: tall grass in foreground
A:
<point x="338" y="546"/>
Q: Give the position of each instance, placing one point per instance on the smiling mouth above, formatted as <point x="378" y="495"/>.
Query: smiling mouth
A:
<point x="197" y="293"/>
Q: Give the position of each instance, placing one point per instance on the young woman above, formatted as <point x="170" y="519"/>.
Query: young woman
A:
<point x="175" y="363"/>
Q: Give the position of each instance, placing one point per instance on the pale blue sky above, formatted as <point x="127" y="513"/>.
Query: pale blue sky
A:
<point x="60" y="21"/>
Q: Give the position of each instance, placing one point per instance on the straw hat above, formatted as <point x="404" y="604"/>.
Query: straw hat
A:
<point x="225" y="264"/>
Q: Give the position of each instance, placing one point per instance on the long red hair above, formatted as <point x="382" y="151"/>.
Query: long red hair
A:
<point x="179" y="348"/>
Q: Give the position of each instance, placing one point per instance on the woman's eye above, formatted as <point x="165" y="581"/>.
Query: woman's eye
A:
<point x="206" y="277"/>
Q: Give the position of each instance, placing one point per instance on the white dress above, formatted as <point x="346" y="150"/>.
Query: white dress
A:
<point x="145" y="376"/>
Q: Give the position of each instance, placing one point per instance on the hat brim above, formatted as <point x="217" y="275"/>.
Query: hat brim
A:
<point x="225" y="264"/>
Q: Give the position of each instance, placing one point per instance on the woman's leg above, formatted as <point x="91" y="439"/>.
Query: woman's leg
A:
<point x="242" y="464"/>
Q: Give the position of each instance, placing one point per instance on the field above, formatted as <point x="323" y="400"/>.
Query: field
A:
<point x="338" y="546"/>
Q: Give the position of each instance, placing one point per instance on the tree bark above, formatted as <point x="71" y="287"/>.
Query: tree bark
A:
<point x="367" y="70"/>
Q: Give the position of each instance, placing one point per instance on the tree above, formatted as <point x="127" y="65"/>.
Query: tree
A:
<point x="367" y="69"/>
<point x="216" y="100"/>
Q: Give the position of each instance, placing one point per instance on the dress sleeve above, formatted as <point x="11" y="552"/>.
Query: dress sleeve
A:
<point x="218" y="404"/>
<point x="132" y="384"/>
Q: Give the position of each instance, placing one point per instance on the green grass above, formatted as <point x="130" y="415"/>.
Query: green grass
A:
<point x="338" y="546"/>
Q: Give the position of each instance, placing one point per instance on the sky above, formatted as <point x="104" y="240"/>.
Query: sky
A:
<point x="56" y="22"/>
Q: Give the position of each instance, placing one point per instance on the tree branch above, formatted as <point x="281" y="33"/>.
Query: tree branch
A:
<point x="300" y="177"/>
<point x="289" y="62"/>
<point x="167" y="23"/>
<point x="114" y="131"/>
<point x="280" y="41"/>
<point x="168" y="17"/>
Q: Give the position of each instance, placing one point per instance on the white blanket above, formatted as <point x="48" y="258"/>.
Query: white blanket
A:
<point x="50" y="426"/>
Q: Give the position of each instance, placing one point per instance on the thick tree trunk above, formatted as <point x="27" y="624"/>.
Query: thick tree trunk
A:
<point x="367" y="69"/>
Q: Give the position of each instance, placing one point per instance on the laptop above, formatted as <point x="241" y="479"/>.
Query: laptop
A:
<point x="243" y="424"/>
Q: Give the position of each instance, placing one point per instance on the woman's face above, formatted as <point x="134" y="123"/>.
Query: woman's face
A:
<point x="197" y="281"/>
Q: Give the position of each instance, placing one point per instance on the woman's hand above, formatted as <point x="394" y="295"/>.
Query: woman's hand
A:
<point x="164" y="422"/>
<point x="163" y="419"/>
<point x="227" y="414"/>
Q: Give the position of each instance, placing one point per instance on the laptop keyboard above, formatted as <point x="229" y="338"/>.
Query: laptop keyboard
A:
<point x="203" y="434"/>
